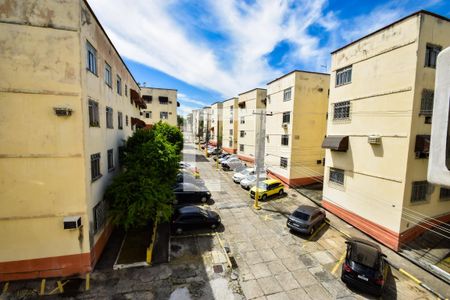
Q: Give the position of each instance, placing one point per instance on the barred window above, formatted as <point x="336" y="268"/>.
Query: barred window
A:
<point x="94" y="119"/>
<point x="444" y="194"/>
<point x="231" y="131"/>
<point x="110" y="160"/>
<point x="431" y="54"/>
<point x="164" y="115"/>
<point x="287" y="94"/>
<point x="426" y="105"/>
<point x="242" y="134"/>
<point x="344" y="76"/>
<point x="108" y="75"/>
<point x="119" y="85"/>
<point x="241" y="147"/>
<point x="287" y="117"/>
<point x="91" y="58"/>
<point x="419" y="191"/>
<point x="422" y="146"/>
<point x="99" y="215"/>
<point x="341" y="110"/>
<point x="242" y="120"/>
<point x="283" y="162"/>
<point x="163" y="100"/>
<point x="148" y="114"/>
<point x="230" y="143"/>
<point x="109" y="117"/>
<point x="95" y="167"/>
<point x="285" y="139"/>
<point x="126" y="120"/>
<point x="147" y="98"/>
<point x="119" y="120"/>
<point x="337" y="176"/>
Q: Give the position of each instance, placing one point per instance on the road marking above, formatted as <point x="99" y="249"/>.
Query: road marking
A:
<point x="340" y="261"/>
<point x="5" y="287"/>
<point x="60" y="287"/>
<point x="88" y="281"/>
<point x="191" y="235"/>
<point x="42" y="291"/>
<point x="317" y="231"/>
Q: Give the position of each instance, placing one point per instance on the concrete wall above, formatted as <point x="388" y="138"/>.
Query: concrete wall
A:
<point x="229" y="117"/>
<point x="156" y="108"/>
<point x="216" y="130"/>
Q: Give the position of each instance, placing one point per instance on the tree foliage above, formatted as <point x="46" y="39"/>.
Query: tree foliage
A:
<point x="143" y="191"/>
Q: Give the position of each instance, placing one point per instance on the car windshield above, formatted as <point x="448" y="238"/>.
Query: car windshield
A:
<point x="251" y="177"/>
<point x="262" y="185"/>
<point x="245" y="172"/>
<point x="301" y="216"/>
<point x="364" y="255"/>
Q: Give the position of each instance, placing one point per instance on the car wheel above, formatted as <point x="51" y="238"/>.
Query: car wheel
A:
<point x="281" y="192"/>
<point x="204" y="199"/>
<point x="179" y="231"/>
<point x="264" y="197"/>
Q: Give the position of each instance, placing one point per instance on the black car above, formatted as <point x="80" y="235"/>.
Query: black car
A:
<point x="187" y="192"/>
<point x="306" y="219"/>
<point x="364" y="266"/>
<point x="184" y="176"/>
<point x="221" y="156"/>
<point x="193" y="217"/>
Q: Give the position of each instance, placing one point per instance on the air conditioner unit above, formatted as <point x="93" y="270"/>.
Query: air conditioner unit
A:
<point x="284" y="125"/>
<point x="374" y="139"/>
<point x="62" y="111"/>
<point x="72" y="222"/>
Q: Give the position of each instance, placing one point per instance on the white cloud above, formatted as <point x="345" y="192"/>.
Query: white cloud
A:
<point x="184" y="98"/>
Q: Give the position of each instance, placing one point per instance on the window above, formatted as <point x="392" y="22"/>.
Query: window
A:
<point x="126" y="90"/>
<point x="444" y="194"/>
<point x="164" y="115"/>
<point x="283" y="162"/>
<point x="119" y="120"/>
<point x="419" y="191"/>
<point x="91" y="58"/>
<point x="99" y="215"/>
<point x="242" y="120"/>
<point x="285" y="139"/>
<point x="147" y="98"/>
<point x="94" y="119"/>
<point x="126" y="120"/>
<point x="95" y="167"/>
<point x="109" y="117"/>
<point x="242" y="133"/>
<point x="108" y="75"/>
<point x="231" y="131"/>
<point x="422" y="146"/>
<point x="426" y="105"/>
<point x="287" y="94"/>
<point x="344" y="76"/>
<point x="241" y="147"/>
<point x="163" y="100"/>
<point x="231" y="120"/>
<point x="287" y="117"/>
<point x="337" y="176"/>
<point x="341" y="110"/>
<point x="110" y="160"/>
<point x="230" y="143"/>
<point x="148" y="114"/>
<point x="119" y="85"/>
<point x="431" y="55"/>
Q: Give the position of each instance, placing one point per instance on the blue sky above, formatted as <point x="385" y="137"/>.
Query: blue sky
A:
<point x="212" y="50"/>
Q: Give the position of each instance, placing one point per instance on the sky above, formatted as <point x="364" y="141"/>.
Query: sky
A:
<point x="212" y="50"/>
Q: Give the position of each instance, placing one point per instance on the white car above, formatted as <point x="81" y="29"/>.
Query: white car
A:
<point x="250" y="181"/>
<point x="221" y="160"/>
<point x="232" y="163"/>
<point x="238" y="176"/>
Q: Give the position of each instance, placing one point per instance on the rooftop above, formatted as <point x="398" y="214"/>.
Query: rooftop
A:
<point x="300" y="71"/>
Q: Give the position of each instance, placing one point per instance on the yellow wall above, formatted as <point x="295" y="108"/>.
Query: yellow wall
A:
<point x="156" y="108"/>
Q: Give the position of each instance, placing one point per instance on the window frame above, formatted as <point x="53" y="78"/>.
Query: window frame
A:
<point x="94" y="115"/>
<point x="429" y="50"/>
<point x="119" y="84"/>
<point x="119" y="120"/>
<point x="344" y="76"/>
<point x="287" y="91"/>
<point x="91" y="50"/>
<point x="110" y="159"/>
<point x="95" y="166"/>
<point x="241" y="147"/>
<point x="336" y="179"/>
<point x="419" y="191"/>
<point x="283" y="162"/>
<point x="286" y="117"/>
<point x="285" y="140"/>
<point x="242" y="133"/>
<point x="341" y="110"/>
<point x="161" y="115"/>
<point x="108" y="75"/>
<point x="109" y="117"/>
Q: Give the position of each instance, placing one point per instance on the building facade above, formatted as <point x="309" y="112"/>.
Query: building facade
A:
<point x="298" y="102"/>
<point x="68" y="104"/>
<point x="229" y="126"/>
<point x="216" y="129"/>
<point x="250" y="104"/>
<point x="206" y="120"/>
<point x="161" y="105"/>
<point x="377" y="141"/>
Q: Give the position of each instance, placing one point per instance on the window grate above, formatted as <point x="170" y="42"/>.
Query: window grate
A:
<point x="419" y="191"/>
<point x="94" y="119"/>
<point x="285" y="139"/>
<point x="341" y="110"/>
<point x="444" y="193"/>
<point x="95" y="166"/>
<point x="287" y="117"/>
<point x="283" y="162"/>
<point x="99" y="215"/>
<point x="426" y="105"/>
<point x="337" y="176"/>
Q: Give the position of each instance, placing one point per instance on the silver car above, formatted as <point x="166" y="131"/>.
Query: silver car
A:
<point x="250" y="181"/>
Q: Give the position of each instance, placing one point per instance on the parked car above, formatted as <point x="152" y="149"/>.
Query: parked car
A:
<point x="250" y="181"/>
<point x="267" y="188"/>
<point x="186" y="176"/>
<point x="230" y="156"/>
<point x="306" y="219"/>
<point x="365" y="266"/>
<point x="239" y="175"/>
<point x="214" y="151"/>
<point x="232" y="163"/>
<point x="220" y="155"/>
<point x="189" y="167"/>
<point x="193" y="217"/>
<point x="186" y="192"/>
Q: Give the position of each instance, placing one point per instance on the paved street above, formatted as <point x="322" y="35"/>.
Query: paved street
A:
<point x="276" y="264"/>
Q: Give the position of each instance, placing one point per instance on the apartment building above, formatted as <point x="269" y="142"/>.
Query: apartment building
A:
<point x="206" y="120"/>
<point x="229" y="126"/>
<point x="68" y="104"/>
<point x="216" y="129"/>
<point x="379" y="127"/>
<point x="298" y="102"/>
<point x="250" y="103"/>
<point x="161" y="105"/>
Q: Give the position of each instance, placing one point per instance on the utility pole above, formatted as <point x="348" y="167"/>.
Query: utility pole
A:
<point x="260" y="150"/>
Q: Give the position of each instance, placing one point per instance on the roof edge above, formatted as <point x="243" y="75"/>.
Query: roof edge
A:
<point x="300" y="71"/>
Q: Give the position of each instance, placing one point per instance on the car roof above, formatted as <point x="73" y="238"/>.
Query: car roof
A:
<point x="307" y="209"/>
<point x="271" y="181"/>
<point x="357" y="241"/>
<point x="189" y="209"/>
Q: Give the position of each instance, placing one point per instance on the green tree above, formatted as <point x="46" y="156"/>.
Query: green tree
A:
<point x="180" y="121"/>
<point x="143" y="191"/>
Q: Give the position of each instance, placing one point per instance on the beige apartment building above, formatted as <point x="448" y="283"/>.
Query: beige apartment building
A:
<point x="229" y="126"/>
<point x="161" y="105"/>
<point x="216" y="128"/>
<point x="379" y="127"/>
<point x="197" y="123"/>
<point x="68" y="105"/>
<point x="206" y="120"/>
<point x="298" y="102"/>
<point x="249" y="104"/>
